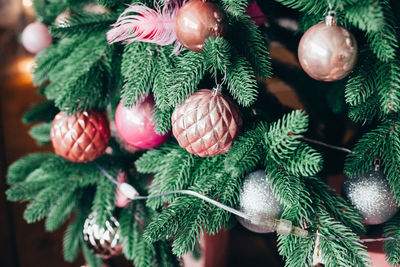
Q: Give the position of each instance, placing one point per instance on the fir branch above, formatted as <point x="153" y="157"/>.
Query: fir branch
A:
<point x="392" y="247"/>
<point x="91" y="259"/>
<point x="235" y="8"/>
<point x="287" y="188"/>
<point x="281" y="138"/>
<point x="335" y="205"/>
<point x="390" y="155"/>
<point x="137" y="68"/>
<point x="83" y="24"/>
<point x="246" y="152"/>
<point x="41" y="133"/>
<point x="77" y="81"/>
<point x="183" y="80"/>
<point x="62" y="209"/>
<point x="27" y="190"/>
<point x="44" y="201"/>
<point x="241" y="82"/>
<point x="48" y="59"/>
<point x="384" y="42"/>
<point x="364" y="81"/>
<point x="367" y="111"/>
<point x="71" y="242"/>
<point x="19" y="170"/>
<point x="366" y="150"/>
<point x="103" y="203"/>
<point x="149" y="162"/>
<point x="305" y="161"/>
<point x="176" y="173"/>
<point x="249" y="41"/>
<point x="342" y="251"/>
<point x="128" y="225"/>
<point x="164" y="256"/>
<point x="44" y="111"/>
<point x="302" y="252"/>
<point x="367" y="15"/>
<point x="135" y="247"/>
<point x="390" y="91"/>
<point x="162" y="120"/>
<point x="310" y="7"/>
<point x="165" y="65"/>
<point x="217" y="55"/>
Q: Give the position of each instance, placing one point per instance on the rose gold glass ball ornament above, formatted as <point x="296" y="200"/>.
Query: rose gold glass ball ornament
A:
<point x="327" y="52"/>
<point x="206" y="123"/>
<point x="196" y="21"/>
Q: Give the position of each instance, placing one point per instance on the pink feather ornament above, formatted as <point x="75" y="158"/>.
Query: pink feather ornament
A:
<point x="141" y="23"/>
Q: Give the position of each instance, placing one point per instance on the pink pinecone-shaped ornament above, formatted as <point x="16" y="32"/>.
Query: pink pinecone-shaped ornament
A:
<point x="80" y="138"/>
<point x="206" y="123"/>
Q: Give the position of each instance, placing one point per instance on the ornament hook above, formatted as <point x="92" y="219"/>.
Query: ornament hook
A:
<point x="377" y="164"/>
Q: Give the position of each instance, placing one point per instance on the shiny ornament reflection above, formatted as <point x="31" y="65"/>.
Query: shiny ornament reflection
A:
<point x="104" y="242"/>
<point x="372" y="197"/>
<point x="327" y="52"/>
<point x="136" y="125"/>
<point x="36" y="37"/>
<point x="206" y="123"/>
<point x="82" y="137"/>
<point x="196" y="21"/>
<point x="258" y="200"/>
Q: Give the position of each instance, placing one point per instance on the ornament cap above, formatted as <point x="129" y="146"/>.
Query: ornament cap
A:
<point x="330" y="19"/>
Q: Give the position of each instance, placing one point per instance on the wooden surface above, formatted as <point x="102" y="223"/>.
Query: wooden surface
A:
<point x="27" y="245"/>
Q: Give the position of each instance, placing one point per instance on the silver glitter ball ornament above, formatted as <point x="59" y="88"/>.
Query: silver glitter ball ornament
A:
<point x="327" y="52"/>
<point x="258" y="200"/>
<point x="372" y="197"/>
<point x="104" y="242"/>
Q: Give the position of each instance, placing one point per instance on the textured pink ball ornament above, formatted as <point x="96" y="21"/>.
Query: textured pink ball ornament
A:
<point x="196" y="21"/>
<point x="36" y="37"/>
<point x="80" y="138"/>
<point x="206" y="123"/>
<point x="136" y="125"/>
<point x="327" y="52"/>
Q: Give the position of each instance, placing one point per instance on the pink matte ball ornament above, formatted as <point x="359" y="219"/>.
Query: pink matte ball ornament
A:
<point x="36" y="37"/>
<point x="135" y="125"/>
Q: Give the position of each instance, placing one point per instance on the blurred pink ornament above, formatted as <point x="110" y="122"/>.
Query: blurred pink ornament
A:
<point x="36" y="37"/>
<point x="375" y="251"/>
<point x="121" y="201"/>
<point x="255" y="13"/>
<point x="136" y="125"/>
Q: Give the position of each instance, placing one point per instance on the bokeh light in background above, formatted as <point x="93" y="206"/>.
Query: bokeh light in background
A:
<point x="27" y="3"/>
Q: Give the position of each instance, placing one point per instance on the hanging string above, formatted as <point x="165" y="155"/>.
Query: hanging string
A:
<point x="282" y="226"/>
<point x="326" y="145"/>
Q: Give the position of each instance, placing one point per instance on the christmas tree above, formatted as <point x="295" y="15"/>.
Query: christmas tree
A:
<point x="168" y="99"/>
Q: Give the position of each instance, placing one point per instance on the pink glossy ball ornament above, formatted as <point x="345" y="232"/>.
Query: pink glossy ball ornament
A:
<point x="136" y="125"/>
<point x="36" y="37"/>
<point x="197" y="20"/>
<point x="327" y="52"/>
